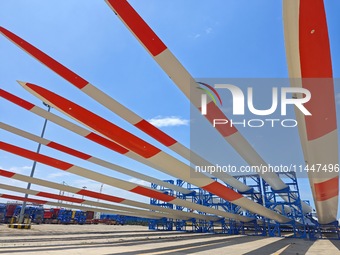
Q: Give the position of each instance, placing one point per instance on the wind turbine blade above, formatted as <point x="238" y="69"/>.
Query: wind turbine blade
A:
<point x="97" y="195"/>
<point x="309" y="65"/>
<point x="148" y="151"/>
<point x="184" y="81"/>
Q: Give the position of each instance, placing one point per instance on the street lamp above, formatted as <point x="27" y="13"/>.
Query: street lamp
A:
<point x="22" y="212"/>
<point x="84" y="187"/>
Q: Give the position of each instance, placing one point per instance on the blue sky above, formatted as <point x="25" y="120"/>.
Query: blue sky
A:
<point x="218" y="38"/>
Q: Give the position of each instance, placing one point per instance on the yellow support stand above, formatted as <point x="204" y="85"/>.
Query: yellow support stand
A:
<point x="25" y="225"/>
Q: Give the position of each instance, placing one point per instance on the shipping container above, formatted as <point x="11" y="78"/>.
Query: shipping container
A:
<point x="2" y="213"/>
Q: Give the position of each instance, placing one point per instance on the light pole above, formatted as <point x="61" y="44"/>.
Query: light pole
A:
<point x="61" y="193"/>
<point x="22" y="212"/>
<point x="97" y="215"/>
<point x="84" y="187"/>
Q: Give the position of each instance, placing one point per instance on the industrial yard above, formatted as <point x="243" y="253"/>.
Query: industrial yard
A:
<point x="123" y="130"/>
<point x="105" y="239"/>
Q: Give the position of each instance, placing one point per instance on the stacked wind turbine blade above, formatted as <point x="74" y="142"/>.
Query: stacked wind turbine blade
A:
<point x="184" y="81"/>
<point x="116" y="209"/>
<point x="310" y="67"/>
<point x="97" y="195"/>
<point x="149" y="152"/>
<point x="44" y="202"/>
<point x="113" y="105"/>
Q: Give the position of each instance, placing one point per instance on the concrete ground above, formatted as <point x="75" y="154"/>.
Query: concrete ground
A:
<point x="126" y="240"/>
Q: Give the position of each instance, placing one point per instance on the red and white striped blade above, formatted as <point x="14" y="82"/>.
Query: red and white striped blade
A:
<point x="81" y="131"/>
<point x="101" y="97"/>
<point x="87" y="157"/>
<point x="83" y="201"/>
<point x="118" y="108"/>
<point x="310" y="67"/>
<point x="184" y="81"/>
<point x="109" y="180"/>
<point x="83" y="208"/>
<point x="97" y="195"/>
<point x="94" y="137"/>
<point x="148" y="151"/>
<point x="77" y="153"/>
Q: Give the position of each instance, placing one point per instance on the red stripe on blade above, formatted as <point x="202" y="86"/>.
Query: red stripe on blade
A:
<point x="68" y="150"/>
<point x="99" y="124"/>
<point x="213" y="112"/>
<point x="155" y="133"/>
<point x="138" y="26"/>
<point x="59" y="197"/>
<point x="100" y="196"/>
<point x="16" y="100"/>
<point x="6" y="174"/>
<point x="315" y="59"/>
<point x="326" y="190"/>
<point x="37" y="201"/>
<point x="222" y="191"/>
<point x="152" y="193"/>
<point x="313" y="40"/>
<point x="45" y="59"/>
<point x="107" y="143"/>
<point x="35" y="156"/>
<point x="322" y="107"/>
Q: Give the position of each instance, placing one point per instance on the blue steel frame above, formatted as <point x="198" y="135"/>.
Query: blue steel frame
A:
<point x="291" y="207"/>
<point x="164" y="223"/>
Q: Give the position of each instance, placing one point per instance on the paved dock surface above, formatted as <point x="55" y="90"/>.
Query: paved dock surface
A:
<point x="133" y="240"/>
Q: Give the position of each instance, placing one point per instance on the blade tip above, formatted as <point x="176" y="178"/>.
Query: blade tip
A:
<point x="21" y="83"/>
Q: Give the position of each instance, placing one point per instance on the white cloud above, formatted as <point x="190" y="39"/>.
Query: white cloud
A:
<point x="12" y="182"/>
<point x="337" y="98"/>
<point x="170" y="121"/>
<point x="19" y="169"/>
<point x="208" y="30"/>
<point x="205" y="31"/>
<point x="57" y="174"/>
<point x="139" y="182"/>
<point x="89" y="184"/>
